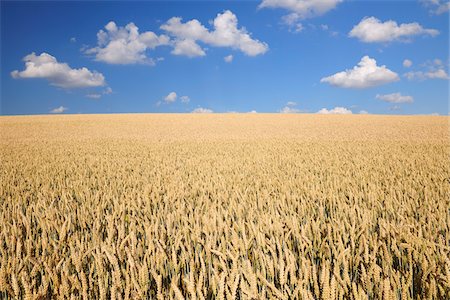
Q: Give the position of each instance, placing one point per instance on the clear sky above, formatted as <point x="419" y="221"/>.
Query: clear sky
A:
<point x="328" y="56"/>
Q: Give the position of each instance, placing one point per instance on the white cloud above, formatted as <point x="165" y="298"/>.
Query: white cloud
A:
<point x="225" y="34"/>
<point x="420" y="75"/>
<point x="252" y="112"/>
<point x="395" y="98"/>
<point x="437" y="74"/>
<point x="228" y="58"/>
<point x="336" y="111"/>
<point x="434" y="114"/>
<point x="94" y="96"/>
<point x="433" y="70"/>
<point x="185" y="99"/>
<point x="442" y="8"/>
<point x="125" y="45"/>
<point x="302" y="8"/>
<point x="437" y="7"/>
<point x="298" y="28"/>
<point x="188" y="48"/>
<point x="407" y="63"/>
<point x="372" y="30"/>
<point x="73" y="39"/>
<point x="172" y="97"/>
<point x="366" y="74"/>
<point x="289" y="110"/>
<point x="58" y="110"/>
<point x="107" y="91"/>
<point x="363" y="112"/>
<point x="58" y="74"/>
<point x="201" y="110"/>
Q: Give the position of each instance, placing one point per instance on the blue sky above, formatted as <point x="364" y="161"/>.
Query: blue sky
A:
<point x="242" y="56"/>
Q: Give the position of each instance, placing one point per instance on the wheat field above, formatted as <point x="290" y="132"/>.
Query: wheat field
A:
<point x="224" y="206"/>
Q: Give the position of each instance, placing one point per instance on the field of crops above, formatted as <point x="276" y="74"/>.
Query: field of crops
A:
<point x="224" y="206"/>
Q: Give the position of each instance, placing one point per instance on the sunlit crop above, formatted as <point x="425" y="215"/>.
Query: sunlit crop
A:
<point x="229" y="206"/>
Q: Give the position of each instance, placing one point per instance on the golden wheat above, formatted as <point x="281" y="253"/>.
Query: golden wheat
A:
<point x="224" y="207"/>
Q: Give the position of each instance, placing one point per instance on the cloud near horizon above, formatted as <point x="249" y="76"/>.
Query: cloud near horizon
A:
<point x="201" y="110"/>
<point x="58" y="110"/>
<point x="335" y="111"/>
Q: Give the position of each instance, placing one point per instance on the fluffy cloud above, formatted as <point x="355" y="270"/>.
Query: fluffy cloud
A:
<point x="407" y="63"/>
<point x="363" y="112"/>
<point x="172" y="97"/>
<point x="372" y="30"/>
<point x="366" y="74"/>
<point x="58" y="110"/>
<point x="125" y="45"/>
<point x="187" y="48"/>
<point x="395" y="98"/>
<point x="58" y="74"/>
<point x="228" y="58"/>
<point x="185" y="99"/>
<point x="225" y="34"/>
<point x="201" y="110"/>
<point x="301" y="9"/>
<point x="335" y="111"/>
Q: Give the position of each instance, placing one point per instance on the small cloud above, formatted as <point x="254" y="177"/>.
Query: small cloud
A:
<point x="434" y="69"/>
<point x="298" y="28"/>
<point x="365" y="75"/>
<point x="372" y="30"/>
<point x="363" y="112"/>
<point x="302" y="9"/>
<point x="228" y="58"/>
<point x="291" y="103"/>
<point x="201" y="110"/>
<point x="289" y="110"/>
<point x="395" y="98"/>
<point x="94" y="96"/>
<point x="292" y="22"/>
<point x="107" y="91"/>
<point x="252" y="112"/>
<point x="335" y="111"/>
<point x="185" y="99"/>
<point x="73" y="40"/>
<point x="58" y="110"/>
<point x="434" y="114"/>
<point x="395" y="108"/>
<point x="407" y="63"/>
<point x="171" y="97"/>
